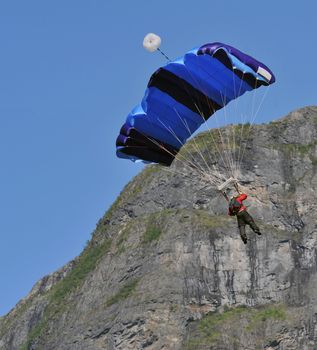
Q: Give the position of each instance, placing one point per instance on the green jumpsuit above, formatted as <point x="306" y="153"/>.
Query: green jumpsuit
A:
<point x="237" y="208"/>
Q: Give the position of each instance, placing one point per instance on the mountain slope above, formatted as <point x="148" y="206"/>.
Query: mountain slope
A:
<point x="166" y="268"/>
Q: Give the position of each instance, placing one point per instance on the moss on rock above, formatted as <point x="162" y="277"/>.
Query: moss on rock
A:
<point x="59" y="294"/>
<point x="125" y="292"/>
<point x="218" y="329"/>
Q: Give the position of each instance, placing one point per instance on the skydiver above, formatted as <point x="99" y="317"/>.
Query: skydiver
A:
<point x="236" y="208"/>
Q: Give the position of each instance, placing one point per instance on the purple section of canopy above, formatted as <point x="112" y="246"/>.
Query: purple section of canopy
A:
<point x="125" y="129"/>
<point x="246" y="59"/>
<point x="121" y="140"/>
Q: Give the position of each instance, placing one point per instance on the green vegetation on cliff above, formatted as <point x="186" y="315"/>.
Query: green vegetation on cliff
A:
<point x="126" y="291"/>
<point x="216" y="329"/>
<point x="60" y="292"/>
<point x="153" y="228"/>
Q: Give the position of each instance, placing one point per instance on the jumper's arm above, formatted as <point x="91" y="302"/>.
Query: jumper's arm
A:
<point x="226" y="184"/>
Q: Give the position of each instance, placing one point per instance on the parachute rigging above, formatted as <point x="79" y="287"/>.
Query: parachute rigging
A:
<point x="181" y="96"/>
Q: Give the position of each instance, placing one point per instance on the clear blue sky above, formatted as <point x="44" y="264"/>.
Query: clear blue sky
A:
<point x="70" y="71"/>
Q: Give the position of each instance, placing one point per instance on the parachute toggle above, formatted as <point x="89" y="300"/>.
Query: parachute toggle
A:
<point x="227" y="184"/>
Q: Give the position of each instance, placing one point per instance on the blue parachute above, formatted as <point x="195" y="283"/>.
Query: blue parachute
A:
<point x="182" y="95"/>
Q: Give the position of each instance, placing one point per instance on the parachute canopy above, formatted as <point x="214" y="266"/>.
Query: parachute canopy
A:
<point x="182" y="95"/>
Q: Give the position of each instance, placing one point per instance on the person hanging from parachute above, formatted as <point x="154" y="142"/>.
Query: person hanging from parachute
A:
<point x="180" y="97"/>
<point x="236" y="208"/>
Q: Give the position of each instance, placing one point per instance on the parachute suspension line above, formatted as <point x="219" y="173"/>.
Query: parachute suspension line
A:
<point x="187" y="160"/>
<point x="212" y="137"/>
<point x="190" y="133"/>
<point x="232" y="136"/>
<point x="243" y="119"/>
<point x="227" y="166"/>
<point x="243" y="140"/>
<point x="223" y="153"/>
<point x="200" y="113"/>
<point x="182" y="174"/>
<point x="253" y="121"/>
<point x="238" y="143"/>
<point x="232" y="128"/>
<point x="171" y="131"/>
<point x="212" y="111"/>
<point x="227" y="150"/>
<point x="224" y="162"/>
<point x="168" y="170"/>
<point x="222" y="140"/>
<point x="244" y="136"/>
<point x="175" y="156"/>
<point x="204" y="120"/>
<point x="163" y="54"/>
<point x="262" y="100"/>
<point x="249" y="127"/>
<point x="229" y="161"/>
<point x="173" y="171"/>
<point x="197" y="148"/>
<point x="254" y="99"/>
<point x="208" y="174"/>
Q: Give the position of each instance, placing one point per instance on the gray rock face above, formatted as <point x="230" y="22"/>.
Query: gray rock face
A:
<point x="166" y="268"/>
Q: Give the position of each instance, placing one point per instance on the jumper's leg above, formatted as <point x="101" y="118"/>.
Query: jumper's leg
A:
<point x="250" y="221"/>
<point x="243" y="234"/>
<point x="241" y="225"/>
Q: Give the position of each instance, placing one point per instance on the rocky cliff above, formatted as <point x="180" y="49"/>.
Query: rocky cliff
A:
<point x="166" y="268"/>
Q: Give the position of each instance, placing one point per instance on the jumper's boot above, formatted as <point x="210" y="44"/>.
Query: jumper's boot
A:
<point x="244" y="238"/>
